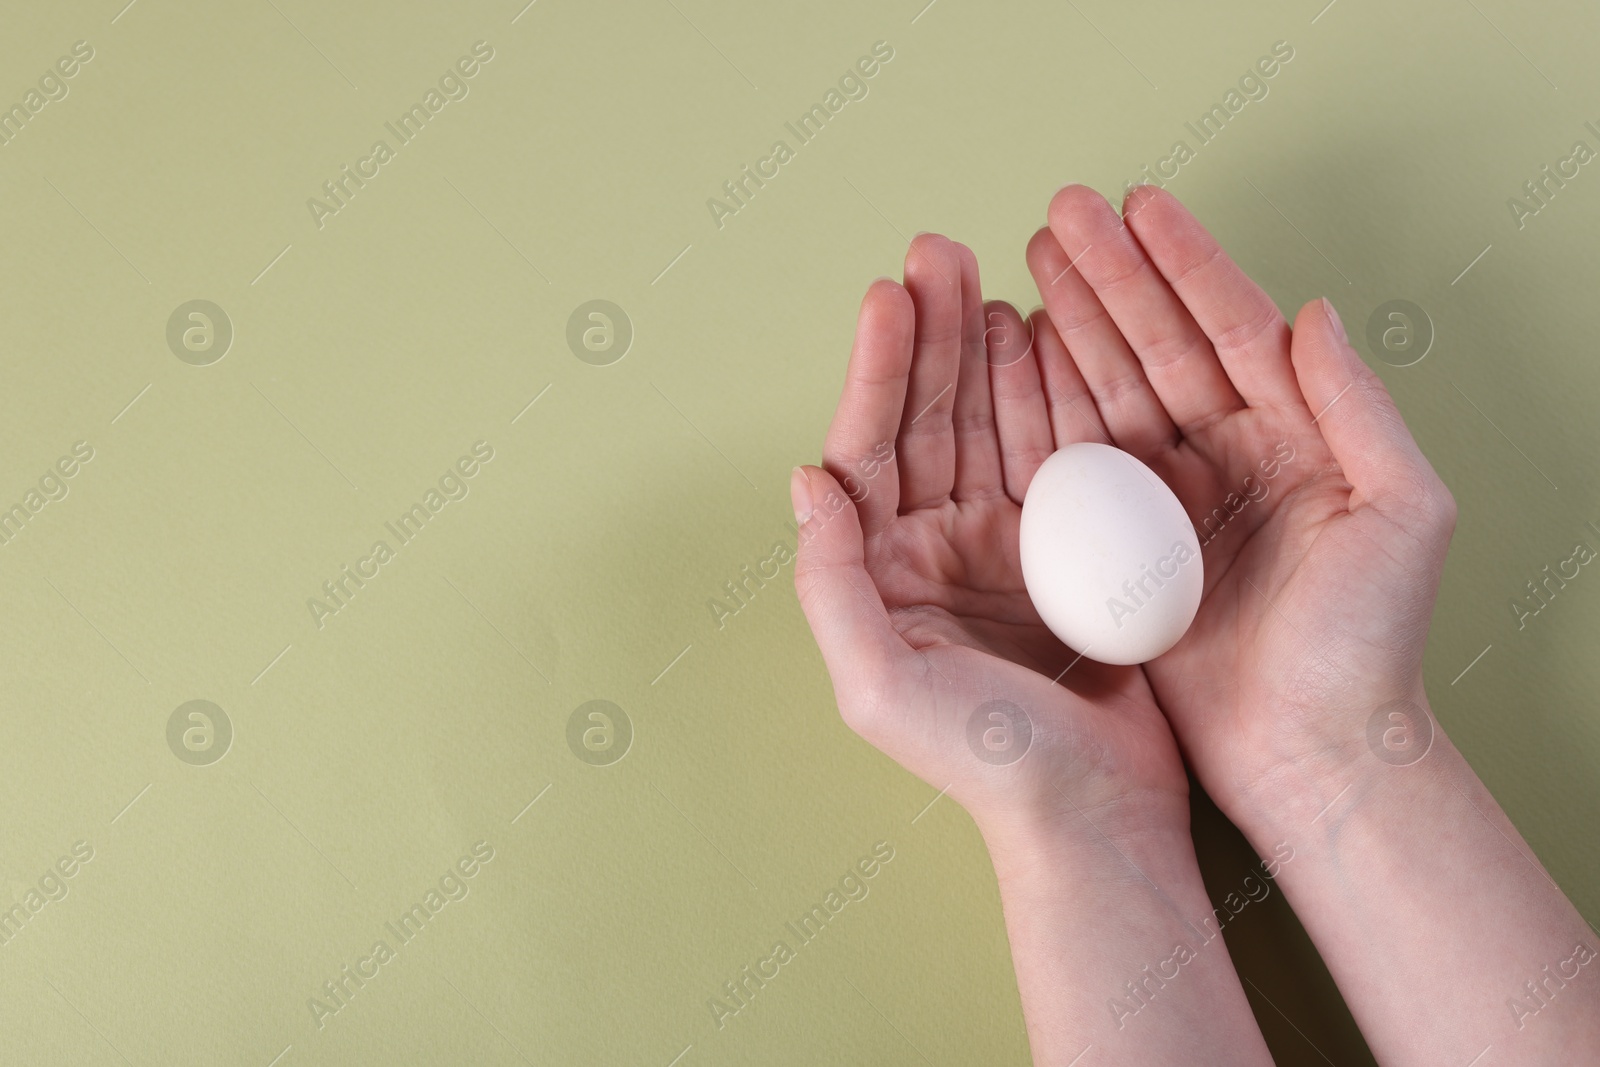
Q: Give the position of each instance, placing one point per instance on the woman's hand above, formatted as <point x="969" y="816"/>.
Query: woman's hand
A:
<point x="1323" y="526"/>
<point x="909" y="571"/>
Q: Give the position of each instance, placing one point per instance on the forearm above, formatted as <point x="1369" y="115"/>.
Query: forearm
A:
<point x="1444" y="933"/>
<point x="1116" y="948"/>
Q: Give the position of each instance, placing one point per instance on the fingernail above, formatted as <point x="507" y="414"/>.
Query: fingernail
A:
<point x="800" y="496"/>
<point x="1333" y="317"/>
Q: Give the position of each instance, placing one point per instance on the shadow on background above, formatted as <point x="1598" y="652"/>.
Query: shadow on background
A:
<point x="1295" y="1001"/>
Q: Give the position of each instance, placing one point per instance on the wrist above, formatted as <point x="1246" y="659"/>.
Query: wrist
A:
<point x="1153" y="984"/>
<point x="1053" y="835"/>
<point x="1306" y="754"/>
<point x="1396" y="741"/>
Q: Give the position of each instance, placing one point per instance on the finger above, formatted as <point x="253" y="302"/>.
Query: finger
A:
<point x="927" y="447"/>
<point x="840" y="600"/>
<point x="978" y="471"/>
<point x="1022" y="418"/>
<point x="1176" y="354"/>
<point x="1246" y="329"/>
<point x="1361" y="424"/>
<point x="859" y="448"/>
<point x="1073" y="414"/>
<point x="1133" y="416"/>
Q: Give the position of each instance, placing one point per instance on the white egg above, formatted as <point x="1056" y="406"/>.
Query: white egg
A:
<point x="1110" y="560"/>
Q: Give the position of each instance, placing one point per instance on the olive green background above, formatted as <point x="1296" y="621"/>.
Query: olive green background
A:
<point x="369" y="354"/>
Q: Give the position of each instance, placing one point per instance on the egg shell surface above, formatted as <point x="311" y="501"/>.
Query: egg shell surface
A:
<point x="1110" y="559"/>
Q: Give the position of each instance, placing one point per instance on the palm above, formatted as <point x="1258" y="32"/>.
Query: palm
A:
<point x="951" y="582"/>
<point x="1300" y="611"/>
<point x="1284" y="550"/>
<point x="952" y="575"/>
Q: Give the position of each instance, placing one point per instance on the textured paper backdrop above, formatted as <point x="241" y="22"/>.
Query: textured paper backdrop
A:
<point x="374" y="747"/>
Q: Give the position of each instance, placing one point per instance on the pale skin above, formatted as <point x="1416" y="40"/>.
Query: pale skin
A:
<point x="1430" y="911"/>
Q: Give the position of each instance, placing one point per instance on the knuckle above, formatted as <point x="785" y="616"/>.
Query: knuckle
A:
<point x="1439" y="505"/>
<point x="1079" y="316"/>
<point x="1120" y="389"/>
<point x="973" y="421"/>
<point x="872" y="701"/>
<point x="1193" y="265"/>
<point x="859" y="711"/>
<point x="1162" y="353"/>
<point x="1424" y="508"/>
<point x="1244" y="334"/>
<point x="1118" y="267"/>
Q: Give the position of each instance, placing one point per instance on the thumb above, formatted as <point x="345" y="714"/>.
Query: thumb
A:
<point x="1361" y="424"/>
<point x="852" y="628"/>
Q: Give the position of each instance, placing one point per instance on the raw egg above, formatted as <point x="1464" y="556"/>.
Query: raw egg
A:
<point x="1109" y="558"/>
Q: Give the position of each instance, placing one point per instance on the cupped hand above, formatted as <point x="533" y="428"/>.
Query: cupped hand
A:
<point x="909" y="574"/>
<point x="1323" y="526"/>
